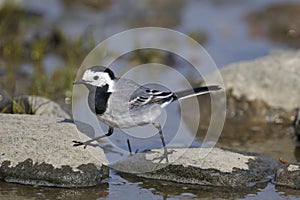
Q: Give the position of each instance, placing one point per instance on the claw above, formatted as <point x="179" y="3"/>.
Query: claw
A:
<point x="161" y="158"/>
<point x="78" y="143"/>
<point x="164" y="156"/>
<point x="89" y="142"/>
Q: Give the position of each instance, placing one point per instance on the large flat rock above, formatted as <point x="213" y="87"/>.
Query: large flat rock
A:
<point x="38" y="150"/>
<point x="203" y="166"/>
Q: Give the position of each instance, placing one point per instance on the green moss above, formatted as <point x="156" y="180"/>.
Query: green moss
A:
<point x="14" y="23"/>
<point x="38" y="49"/>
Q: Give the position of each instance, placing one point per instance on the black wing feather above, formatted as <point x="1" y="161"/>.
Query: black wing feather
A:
<point x="145" y="96"/>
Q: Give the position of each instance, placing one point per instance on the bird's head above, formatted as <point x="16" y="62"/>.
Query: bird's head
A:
<point x="97" y="76"/>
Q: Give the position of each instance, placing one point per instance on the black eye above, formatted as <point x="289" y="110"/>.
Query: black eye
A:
<point x="96" y="77"/>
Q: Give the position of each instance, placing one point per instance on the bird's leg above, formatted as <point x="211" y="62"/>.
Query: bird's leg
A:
<point x="158" y="126"/>
<point x="129" y="147"/>
<point x="88" y="142"/>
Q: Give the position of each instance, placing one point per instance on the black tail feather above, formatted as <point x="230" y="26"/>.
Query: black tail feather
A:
<point x="196" y="91"/>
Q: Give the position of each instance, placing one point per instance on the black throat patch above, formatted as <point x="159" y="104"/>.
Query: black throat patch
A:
<point x="101" y="99"/>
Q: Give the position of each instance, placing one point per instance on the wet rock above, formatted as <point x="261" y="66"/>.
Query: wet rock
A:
<point x="218" y="167"/>
<point x="289" y="176"/>
<point x="38" y="150"/>
<point x="273" y="79"/>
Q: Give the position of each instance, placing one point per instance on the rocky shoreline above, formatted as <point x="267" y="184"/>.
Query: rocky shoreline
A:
<point x="37" y="149"/>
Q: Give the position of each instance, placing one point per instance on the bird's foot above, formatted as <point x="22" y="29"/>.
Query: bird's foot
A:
<point x="85" y="144"/>
<point x="79" y="143"/>
<point x="164" y="156"/>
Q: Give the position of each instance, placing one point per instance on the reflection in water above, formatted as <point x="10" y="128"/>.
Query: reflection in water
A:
<point x="121" y="186"/>
<point x="177" y="190"/>
<point x="16" y="191"/>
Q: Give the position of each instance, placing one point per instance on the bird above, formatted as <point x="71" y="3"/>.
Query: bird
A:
<point x="123" y="103"/>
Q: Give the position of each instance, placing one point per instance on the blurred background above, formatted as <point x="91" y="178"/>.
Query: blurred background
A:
<point x="43" y="43"/>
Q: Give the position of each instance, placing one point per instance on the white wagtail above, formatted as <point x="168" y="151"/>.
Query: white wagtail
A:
<point x="122" y="103"/>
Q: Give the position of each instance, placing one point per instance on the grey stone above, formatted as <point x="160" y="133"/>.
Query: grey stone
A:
<point x="38" y="150"/>
<point x="44" y="106"/>
<point x="288" y="176"/>
<point x="273" y="79"/>
<point x="28" y="104"/>
<point x="203" y="166"/>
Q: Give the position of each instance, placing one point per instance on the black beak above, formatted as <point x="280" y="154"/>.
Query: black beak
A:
<point x="80" y="81"/>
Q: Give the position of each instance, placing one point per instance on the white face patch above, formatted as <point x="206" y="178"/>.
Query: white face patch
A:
<point x="98" y="79"/>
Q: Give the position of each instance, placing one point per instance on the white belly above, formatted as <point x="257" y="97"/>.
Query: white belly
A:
<point x="127" y="118"/>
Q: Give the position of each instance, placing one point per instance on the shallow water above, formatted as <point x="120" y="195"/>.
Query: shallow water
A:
<point x="127" y="187"/>
<point x="228" y="41"/>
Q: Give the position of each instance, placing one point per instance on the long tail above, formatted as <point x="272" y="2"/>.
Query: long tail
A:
<point x="196" y="91"/>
